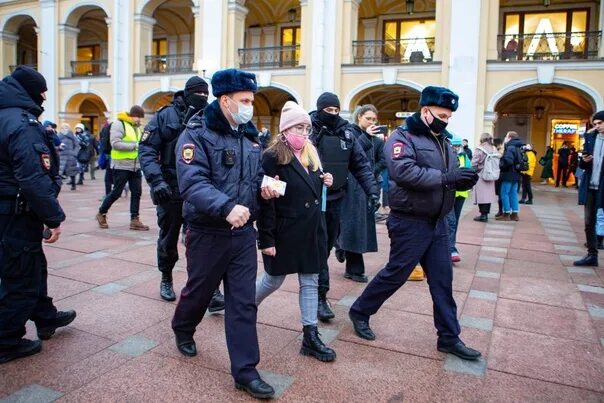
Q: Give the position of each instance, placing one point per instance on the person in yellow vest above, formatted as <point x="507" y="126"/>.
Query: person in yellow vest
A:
<point x="460" y="198"/>
<point x="527" y="176"/>
<point x="124" y="136"/>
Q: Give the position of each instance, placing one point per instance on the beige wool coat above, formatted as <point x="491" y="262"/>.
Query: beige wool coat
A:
<point x="484" y="191"/>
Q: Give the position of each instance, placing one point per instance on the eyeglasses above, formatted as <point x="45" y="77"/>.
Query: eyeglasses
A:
<point x="301" y="130"/>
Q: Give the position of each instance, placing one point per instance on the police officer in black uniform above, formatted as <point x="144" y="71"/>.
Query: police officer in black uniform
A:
<point x="219" y="177"/>
<point x="424" y="175"/>
<point x="29" y="186"/>
<point x="158" y="162"/>
<point x="340" y="153"/>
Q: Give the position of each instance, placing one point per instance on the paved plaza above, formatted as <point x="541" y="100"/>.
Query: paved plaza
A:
<point x="538" y="321"/>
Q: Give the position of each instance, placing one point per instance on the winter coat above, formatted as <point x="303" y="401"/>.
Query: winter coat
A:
<point x="83" y="154"/>
<point x="484" y="191"/>
<point x="357" y="225"/>
<point x="532" y="161"/>
<point x="548" y="172"/>
<point x="590" y="141"/>
<point x="417" y="160"/>
<point x="217" y="167"/>
<point x="293" y="223"/>
<point x="68" y="154"/>
<point x="116" y="136"/>
<point x="511" y="156"/>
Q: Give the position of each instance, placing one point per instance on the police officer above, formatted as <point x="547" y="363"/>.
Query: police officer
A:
<point x="158" y="162"/>
<point x="219" y="177"/>
<point x="29" y="186"/>
<point x="424" y="176"/>
<point x="339" y="153"/>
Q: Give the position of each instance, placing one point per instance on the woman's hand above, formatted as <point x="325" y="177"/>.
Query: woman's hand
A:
<point x="327" y="179"/>
<point x="373" y="130"/>
<point x="267" y="193"/>
<point x="269" y="251"/>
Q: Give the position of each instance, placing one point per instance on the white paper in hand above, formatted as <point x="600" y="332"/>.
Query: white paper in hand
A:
<point x="274" y="184"/>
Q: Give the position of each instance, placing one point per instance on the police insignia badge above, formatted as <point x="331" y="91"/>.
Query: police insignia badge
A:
<point x="45" y="158"/>
<point x="188" y="153"/>
<point x="397" y="150"/>
<point x="146" y="135"/>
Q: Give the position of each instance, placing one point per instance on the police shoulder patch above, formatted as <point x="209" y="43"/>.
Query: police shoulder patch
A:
<point x="146" y="135"/>
<point x="188" y="152"/>
<point x="45" y="159"/>
<point x="397" y="150"/>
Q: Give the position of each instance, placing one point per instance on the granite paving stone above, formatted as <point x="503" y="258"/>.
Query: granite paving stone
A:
<point x="456" y="364"/>
<point x="476" y="323"/>
<point x="33" y="394"/>
<point x="588" y="288"/>
<point x="134" y="346"/>
<point x="488" y="296"/>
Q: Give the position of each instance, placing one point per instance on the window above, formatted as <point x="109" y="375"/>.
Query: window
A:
<point x="290" y="37"/>
<point x="408" y="40"/>
<point x="88" y="60"/>
<point x="160" y="47"/>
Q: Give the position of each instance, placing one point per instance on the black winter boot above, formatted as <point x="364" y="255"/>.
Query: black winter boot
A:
<point x="600" y="242"/>
<point x="589" y="260"/>
<point x="217" y="302"/>
<point x="313" y="346"/>
<point x="166" y="288"/>
<point x="482" y="218"/>
<point x="324" y="311"/>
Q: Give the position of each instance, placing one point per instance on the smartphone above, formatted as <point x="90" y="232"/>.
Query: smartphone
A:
<point x="383" y="129"/>
<point x="47" y="233"/>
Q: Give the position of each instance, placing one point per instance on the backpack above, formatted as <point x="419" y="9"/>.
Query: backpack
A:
<point x="105" y="139"/>
<point x="522" y="164"/>
<point x="491" y="169"/>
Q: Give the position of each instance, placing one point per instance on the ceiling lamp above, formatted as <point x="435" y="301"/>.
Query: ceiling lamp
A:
<point x="410" y="4"/>
<point x="539" y="111"/>
<point x="546" y="3"/>
<point x="291" y="14"/>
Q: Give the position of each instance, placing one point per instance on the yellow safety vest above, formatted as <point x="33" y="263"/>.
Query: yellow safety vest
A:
<point x="131" y="134"/>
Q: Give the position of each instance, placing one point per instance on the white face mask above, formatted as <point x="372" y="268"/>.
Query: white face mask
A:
<point x="244" y="113"/>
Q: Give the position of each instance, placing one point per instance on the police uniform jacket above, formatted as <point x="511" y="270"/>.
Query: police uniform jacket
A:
<point x="340" y="153"/>
<point x="156" y="150"/>
<point x="416" y="160"/>
<point x="28" y="160"/>
<point x="217" y="167"/>
<point x="292" y="223"/>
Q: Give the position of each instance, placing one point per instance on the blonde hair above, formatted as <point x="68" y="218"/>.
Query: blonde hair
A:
<point x="309" y="157"/>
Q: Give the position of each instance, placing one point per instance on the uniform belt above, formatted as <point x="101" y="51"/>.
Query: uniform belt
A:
<point x="226" y="228"/>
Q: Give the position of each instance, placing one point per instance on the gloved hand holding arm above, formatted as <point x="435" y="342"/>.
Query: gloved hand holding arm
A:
<point x="460" y="179"/>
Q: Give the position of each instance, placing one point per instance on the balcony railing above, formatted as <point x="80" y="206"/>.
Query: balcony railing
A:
<point x="178" y="63"/>
<point x="89" y="68"/>
<point x="273" y="57"/>
<point x="549" y="46"/>
<point x="12" y="67"/>
<point x="408" y="50"/>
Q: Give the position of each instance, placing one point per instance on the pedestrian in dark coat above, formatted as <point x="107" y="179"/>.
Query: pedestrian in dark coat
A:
<point x="357" y="224"/>
<point x="292" y="234"/>
<point x="68" y="151"/>
<point x="547" y="161"/>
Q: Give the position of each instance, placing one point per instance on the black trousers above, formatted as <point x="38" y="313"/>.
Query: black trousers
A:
<point x="414" y="241"/>
<point x="221" y="254"/>
<point x="169" y="220"/>
<point x="108" y="180"/>
<point x="23" y="278"/>
<point x="590" y="216"/>
<point x="484" y="208"/>
<point x="355" y="264"/>
<point x="332" y="221"/>
<point x="120" y="178"/>
<point x="527" y="190"/>
<point x="561" y="173"/>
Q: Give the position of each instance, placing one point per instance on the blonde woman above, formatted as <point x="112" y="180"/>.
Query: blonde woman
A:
<point x="292" y="234"/>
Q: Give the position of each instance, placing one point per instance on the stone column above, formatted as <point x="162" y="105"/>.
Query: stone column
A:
<point x="9" y="51"/>
<point x="601" y="29"/>
<point x="68" y="39"/>
<point x="209" y="26"/>
<point x="121" y="67"/>
<point x="350" y="23"/>
<point x="235" y="30"/>
<point x="254" y="38"/>
<point x="172" y="44"/>
<point x="493" y="29"/>
<point x="370" y="29"/>
<point x="143" y="41"/>
<point x="270" y="38"/>
<point x="48" y="56"/>
<point x="184" y="44"/>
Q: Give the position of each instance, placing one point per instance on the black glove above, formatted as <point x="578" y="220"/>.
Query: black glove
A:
<point x="460" y="179"/>
<point x="161" y="193"/>
<point x="373" y="203"/>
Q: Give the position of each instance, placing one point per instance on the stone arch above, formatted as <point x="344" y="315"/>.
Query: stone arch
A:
<point x="88" y="108"/>
<point x="295" y="94"/>
<point x="360" y="90"/>
<point x="13" y="22"/>
<point x="75" y="12"/>
<point x="147" y="7"/>
<point x="156" y="98"/>
<point x="268" y="102"/>
<point x="74" y="100"/>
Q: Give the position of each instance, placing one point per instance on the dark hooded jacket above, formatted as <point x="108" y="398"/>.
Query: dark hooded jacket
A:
<point x="511" y="157"/>
<point x="347" y="156"/>
<point x="416" y="161"/>
<point x="217" y="167"/>
<point x="158" y="142"/>
<point x="29" y="164"/>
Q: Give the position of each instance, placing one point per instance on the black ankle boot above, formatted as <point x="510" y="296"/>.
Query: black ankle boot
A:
<point x="589" y="260"/>
<point x="166" y="288"/>
<point x="600" y="242"/>
<point x="217" y="302"/>
<point x="482" y="218"/>
<point x="324" y="311"/>
<point x="314" y="347"/>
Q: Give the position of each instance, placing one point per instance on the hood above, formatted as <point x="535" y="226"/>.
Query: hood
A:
<point x="340" y="124"/>
<point x="13" y="95"/>
<point x="217" y="122"/>
<point x="417" y="126"/>
<point x="123" y="116"/>
<point x="516" y="142"/>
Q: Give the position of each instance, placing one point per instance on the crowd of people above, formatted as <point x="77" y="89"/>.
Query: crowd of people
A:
<point x="294" y="196"/>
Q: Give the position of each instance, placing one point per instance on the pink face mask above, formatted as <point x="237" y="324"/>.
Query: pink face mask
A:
<point x="295" y="142"/>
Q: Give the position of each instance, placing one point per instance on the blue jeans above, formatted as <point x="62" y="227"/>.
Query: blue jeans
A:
<point x="509" y="197"/>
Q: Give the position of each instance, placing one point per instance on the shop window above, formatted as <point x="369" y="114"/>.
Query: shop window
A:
<point x="408" y="40"/>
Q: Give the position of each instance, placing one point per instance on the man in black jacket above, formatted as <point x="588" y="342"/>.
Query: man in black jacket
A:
<point x="424" y="175"/>
<point x="340" y="153"/>
<point x="158" y="162"/>
<point x="29" y="186"/>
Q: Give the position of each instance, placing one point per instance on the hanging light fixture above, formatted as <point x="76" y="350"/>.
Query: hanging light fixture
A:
<point x="291" y="14"/>
<point x="546" y="3"/>
<point x="404" y="105"/>
<point x="410" y="4"/>
<point x="539" y="111"/>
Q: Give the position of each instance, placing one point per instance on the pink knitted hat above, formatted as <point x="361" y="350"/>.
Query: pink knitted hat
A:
<point x="292" y="114"/>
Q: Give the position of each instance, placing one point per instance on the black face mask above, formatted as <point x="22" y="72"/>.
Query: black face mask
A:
<point x="328" y="118"/>
<point x="197" y="101"/>
<point x="437" y="125"/>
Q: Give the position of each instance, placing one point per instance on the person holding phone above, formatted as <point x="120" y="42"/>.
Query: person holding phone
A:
<point x="591" y="188"/>
<point x="357" y="225"/>
<point x="292" y="234"/>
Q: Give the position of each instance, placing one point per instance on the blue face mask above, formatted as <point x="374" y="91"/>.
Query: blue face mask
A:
<point x="244" y="113"/>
